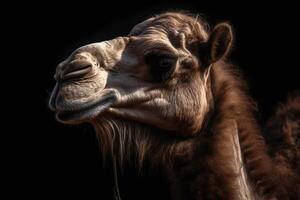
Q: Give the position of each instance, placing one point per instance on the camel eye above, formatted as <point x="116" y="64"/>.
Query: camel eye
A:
<point x="160" y="65"/>
<point x="167" y="62"/>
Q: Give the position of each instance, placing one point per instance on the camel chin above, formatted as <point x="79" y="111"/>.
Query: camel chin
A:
<point x="85" y="113"/>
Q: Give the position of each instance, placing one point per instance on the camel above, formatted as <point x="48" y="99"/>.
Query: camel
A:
<point x="167" y="93"/>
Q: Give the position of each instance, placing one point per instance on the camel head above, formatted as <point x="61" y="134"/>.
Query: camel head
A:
<point x="159" y="75"/>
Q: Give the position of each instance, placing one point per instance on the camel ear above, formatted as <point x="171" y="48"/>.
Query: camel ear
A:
<point x="218" y="44"/>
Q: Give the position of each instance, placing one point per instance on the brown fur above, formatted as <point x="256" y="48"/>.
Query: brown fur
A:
<point x="201" y="161"/>
<point x="209" y="102"/>
<point x="283" y="138"/>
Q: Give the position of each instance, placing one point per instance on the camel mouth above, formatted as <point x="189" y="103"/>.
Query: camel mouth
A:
<point x="86" y="113"/>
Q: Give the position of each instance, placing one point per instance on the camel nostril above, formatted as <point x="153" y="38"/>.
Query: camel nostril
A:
<point x="76" y="69"/>
<point x="76" y="74"/>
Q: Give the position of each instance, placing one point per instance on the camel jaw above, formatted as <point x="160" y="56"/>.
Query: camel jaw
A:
<point x="86" y="113"/>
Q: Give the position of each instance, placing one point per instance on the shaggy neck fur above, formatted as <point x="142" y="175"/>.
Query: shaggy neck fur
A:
<point x="133" y="143"/>
<point x="203" y="166"/>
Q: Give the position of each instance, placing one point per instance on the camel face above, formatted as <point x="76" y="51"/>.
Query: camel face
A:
<point x="157" y="75"/>
<point x="80" y="92"/>
<point x="166" y="78"/>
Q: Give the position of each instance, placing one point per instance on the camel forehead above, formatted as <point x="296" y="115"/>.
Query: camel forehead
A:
<point x="170" y="24"/>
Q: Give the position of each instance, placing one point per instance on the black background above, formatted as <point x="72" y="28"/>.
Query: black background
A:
<point x="51" y="159"/>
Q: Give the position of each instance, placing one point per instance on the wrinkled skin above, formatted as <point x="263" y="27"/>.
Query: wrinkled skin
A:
<point x="149" y="76"/>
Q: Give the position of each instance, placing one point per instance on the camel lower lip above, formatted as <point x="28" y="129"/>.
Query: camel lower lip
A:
<point x="87" y="113"/>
